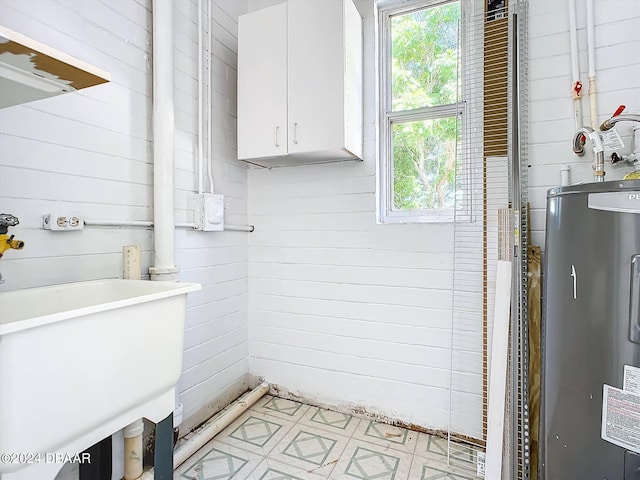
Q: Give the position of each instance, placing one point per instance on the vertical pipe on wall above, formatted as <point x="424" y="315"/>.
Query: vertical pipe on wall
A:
<point x="209" y="91"/>
<point x="576" y="85"/>
<point x="592" y="65"/>
<point x="200" y="100"/>
<point x="163" y="130"/>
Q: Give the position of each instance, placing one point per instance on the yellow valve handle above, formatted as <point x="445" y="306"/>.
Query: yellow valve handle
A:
<point x="7" y="243"/>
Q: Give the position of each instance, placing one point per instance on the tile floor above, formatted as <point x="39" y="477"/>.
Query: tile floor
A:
<point x="279" y="439"/>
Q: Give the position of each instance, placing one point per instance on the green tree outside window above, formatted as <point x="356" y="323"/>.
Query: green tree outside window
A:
<point x="424" y="74"/>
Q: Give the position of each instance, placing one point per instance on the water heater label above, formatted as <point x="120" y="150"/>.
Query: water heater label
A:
<point x="625" y="202"/>
<point x="621" y="418"/>
<point x="631" y="379"/>
<point x="611" y="140"/>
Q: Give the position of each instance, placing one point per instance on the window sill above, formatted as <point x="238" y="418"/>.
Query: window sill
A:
<point x="444" y="216"/>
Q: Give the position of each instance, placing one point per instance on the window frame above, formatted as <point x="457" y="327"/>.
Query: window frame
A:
<point x="387" y="117"/>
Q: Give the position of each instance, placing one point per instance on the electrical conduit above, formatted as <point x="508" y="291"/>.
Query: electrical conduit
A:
<point x="200" y="101"/>
<point x="209" y="101"/>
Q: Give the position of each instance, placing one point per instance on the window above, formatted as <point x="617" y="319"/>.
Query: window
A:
<point x="420" y="111"/>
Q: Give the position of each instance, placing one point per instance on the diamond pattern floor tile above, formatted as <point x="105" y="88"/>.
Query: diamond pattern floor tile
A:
<point x="272" y="470"/>
<point x="388" y="436"/>
<point x="369" y="464"/>
<point x="429" y="469"/>
<point x="279" y="439"/>
<point x="430" y="446"/>
<point x="311" y="449"/>
<point x="217" y="461"/>
<point x="322" y="419"/>
<point x="281" y="408"/>
<point x="366" y="461"/>
<point x="256" y="432"/>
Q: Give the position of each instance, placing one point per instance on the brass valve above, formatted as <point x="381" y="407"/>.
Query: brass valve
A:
<point x="7" y="241"/>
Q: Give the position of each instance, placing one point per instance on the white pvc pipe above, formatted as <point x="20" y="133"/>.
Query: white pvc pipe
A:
<point x="209" y="430"/>
<point x="200" y="101"/>
<point x="116" y="223"/>
<point x="240" y="228"/>
<point x="593" y="110"/>
<point x="202" y="436"/>
<point x="93" y="222"/>
<point x="573" y="37"/>
<point x="133" y="450"/>
<point x="164" y="267"/>
<point x="209" y="109"/>
<point x="565" y="180"/>
<point x="576" y="85"/>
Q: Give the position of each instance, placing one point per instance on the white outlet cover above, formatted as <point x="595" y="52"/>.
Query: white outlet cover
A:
<point x="214" y="209"/>
<point x="209" y="211"/>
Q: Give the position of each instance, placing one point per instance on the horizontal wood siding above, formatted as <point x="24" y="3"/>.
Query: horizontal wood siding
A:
<point x="89" y="153"/>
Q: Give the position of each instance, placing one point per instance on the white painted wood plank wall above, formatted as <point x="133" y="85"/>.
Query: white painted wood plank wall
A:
<point x="90" y="153"/>
<point x="551" y="127"/>
<point x="342" y="310"/>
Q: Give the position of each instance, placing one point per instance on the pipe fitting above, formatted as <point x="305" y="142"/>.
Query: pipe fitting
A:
<point x="610" y="122"/>
<point x="579" y="140"/>
<point x="598" y="150"/>
<point x="7" y="243"/>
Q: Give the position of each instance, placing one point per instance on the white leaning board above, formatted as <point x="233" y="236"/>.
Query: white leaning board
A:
<point x="498" y="373"/>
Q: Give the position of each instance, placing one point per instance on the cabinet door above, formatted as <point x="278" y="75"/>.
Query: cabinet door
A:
<point x="262" y="83"/>
<point x="316" y="75"/>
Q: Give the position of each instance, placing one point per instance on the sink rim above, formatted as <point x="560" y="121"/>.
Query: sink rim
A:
<point x="168" y="289"/>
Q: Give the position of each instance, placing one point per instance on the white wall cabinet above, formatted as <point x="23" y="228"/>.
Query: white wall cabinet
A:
<point x="300" y="83"/>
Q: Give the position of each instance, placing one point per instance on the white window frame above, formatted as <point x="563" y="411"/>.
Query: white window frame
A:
<point x="386" y="213"/>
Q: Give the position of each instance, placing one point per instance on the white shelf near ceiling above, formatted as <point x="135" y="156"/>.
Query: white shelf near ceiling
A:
<point x="30" y="70"/>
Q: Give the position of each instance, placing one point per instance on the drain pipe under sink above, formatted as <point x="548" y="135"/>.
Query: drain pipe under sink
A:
<point x="133" y="450"/>
<point x="210" y="429"/>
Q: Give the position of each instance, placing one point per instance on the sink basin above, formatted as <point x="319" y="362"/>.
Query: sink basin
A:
<point x="80" y="361"/>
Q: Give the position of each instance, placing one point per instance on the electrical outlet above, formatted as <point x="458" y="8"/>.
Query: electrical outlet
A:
<point x="62" y="223"/>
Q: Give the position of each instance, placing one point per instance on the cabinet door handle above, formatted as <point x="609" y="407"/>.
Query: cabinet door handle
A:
<point x="275" y="136"/>
<point x="295" y="133"/>
<point x="634" y="301"/>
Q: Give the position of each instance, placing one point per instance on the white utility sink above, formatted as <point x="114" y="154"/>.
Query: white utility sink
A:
<point x="82" y="360"/>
